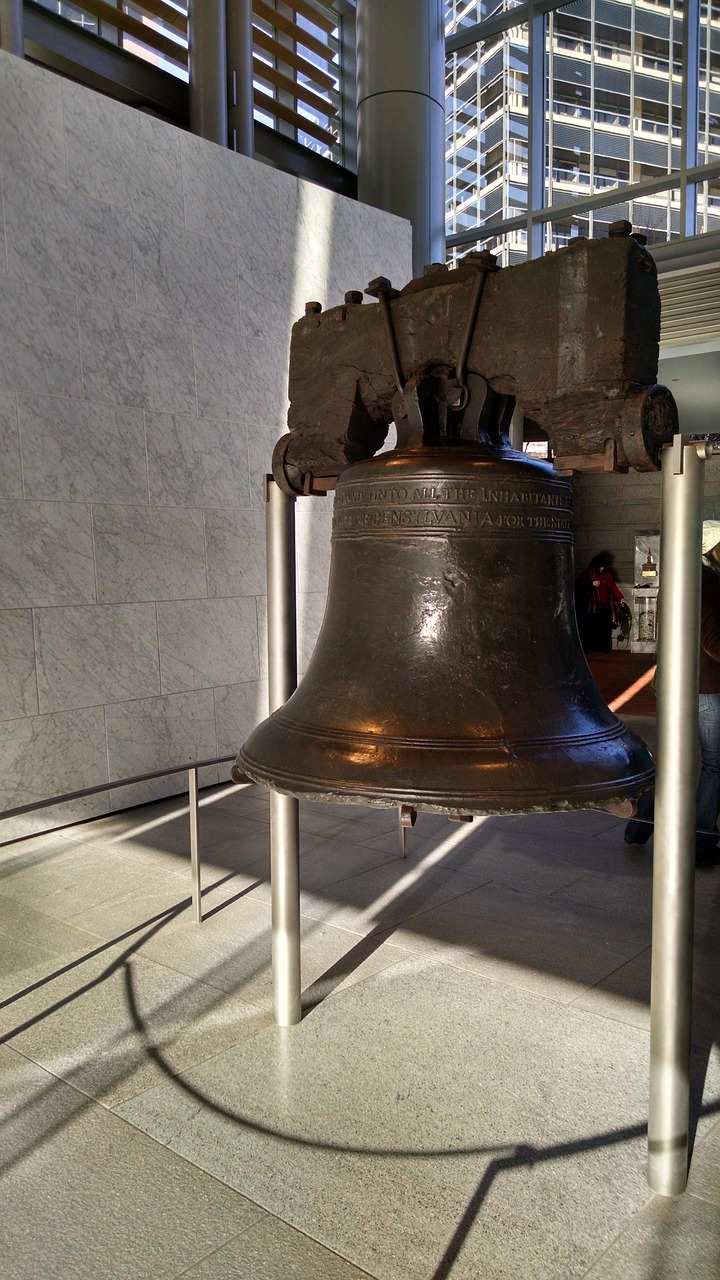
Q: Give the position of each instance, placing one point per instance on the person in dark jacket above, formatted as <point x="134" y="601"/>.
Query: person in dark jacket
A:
<point x="599" y="605"/>
<point x="640" y="828"/>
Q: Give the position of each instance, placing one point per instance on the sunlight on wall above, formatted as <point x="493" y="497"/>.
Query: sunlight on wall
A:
<point x="313" y="246"/>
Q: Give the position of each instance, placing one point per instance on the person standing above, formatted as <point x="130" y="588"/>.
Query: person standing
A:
<point x="599" y="605"/>
<point x="640" y="828"/>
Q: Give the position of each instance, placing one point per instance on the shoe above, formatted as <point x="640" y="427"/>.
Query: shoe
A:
<point x="635" y="844"/>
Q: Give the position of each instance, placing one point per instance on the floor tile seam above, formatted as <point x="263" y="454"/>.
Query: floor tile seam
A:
<point x="714" y="1129"/>
<point x="492" y="975"/>
<point x="642" y="952"/>
<point x="214" y="986"/>
<point x="485" y="885"/>
<point x="108" y="849"/>
<point x="237" y="1235"/>
<point x="491" y="971"/>
<point x="192" y="980"/>
<point x="592" y="1269"/>
<point x="88" y="1098"/>
<point x="269" y="1215"/>
<point x="580" y="879"/>
<point x="263" y="1212"/>
<point x="397" y="923"/>
<point x="705" y="1197"/>
<point x="56" y="920"/>
<point x="344" y="988"/>
<point x="331" y="884"/>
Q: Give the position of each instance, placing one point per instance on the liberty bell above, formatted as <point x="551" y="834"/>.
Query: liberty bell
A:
<point x="448" y="673"/>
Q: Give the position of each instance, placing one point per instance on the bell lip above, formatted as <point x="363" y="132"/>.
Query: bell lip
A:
<point x="584" y="795"/>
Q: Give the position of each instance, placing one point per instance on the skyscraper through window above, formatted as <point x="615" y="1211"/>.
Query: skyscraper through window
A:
<point x="611" y="96"/>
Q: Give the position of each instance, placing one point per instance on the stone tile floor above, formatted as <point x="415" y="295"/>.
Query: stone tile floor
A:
<point x="465" y="1097"/>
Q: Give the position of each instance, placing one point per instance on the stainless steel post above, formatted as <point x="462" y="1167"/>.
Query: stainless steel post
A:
<point x="241" y="124"/>
<point x="195" y="879"/>
<point x="208" y="70"/>
<point x="676" y="788"/>
<point x="401" y="117"/>
<point x="12" y="27"/>
<point x="284" y="810"/>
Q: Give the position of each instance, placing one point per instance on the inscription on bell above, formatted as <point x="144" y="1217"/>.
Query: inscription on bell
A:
<point x="452" y="507"/>
<point x="386" y="495"/>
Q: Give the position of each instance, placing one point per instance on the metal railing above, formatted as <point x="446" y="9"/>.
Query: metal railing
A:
<point x="193" y="811"/>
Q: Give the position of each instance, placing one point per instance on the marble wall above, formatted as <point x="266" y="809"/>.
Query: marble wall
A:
<point x="610" y="509"/>
<point x="148" y="284"/>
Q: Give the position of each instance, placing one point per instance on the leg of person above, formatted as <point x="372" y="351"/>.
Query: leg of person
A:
<point x="640" y="828"/>
<point x="708" y="792"/>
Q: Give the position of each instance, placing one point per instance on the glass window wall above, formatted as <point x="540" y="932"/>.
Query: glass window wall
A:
<point x="619" y="127"/>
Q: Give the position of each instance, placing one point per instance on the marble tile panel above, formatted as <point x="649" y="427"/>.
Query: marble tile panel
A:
<point x="306" y="242"/>
<point x="465" y="1157"/>
<point x="154" y="733"/>
<point x="54" y="817"/>
<point x="310" y="613"/>
<point x="18" y="682"/>
<point x="200" y="462"/>
<point x="61" y="238"/>
<point x="113" y="1202"/>
<point x="386" y="246"/>
<point x="96" y="654"/>
<point x="46" y="554"/>
<point x="235" y="542"/>
<point x="261" y="609"/>
<point x="238" y="709"/>
<point x="261" y="442"/>
<point x="75" y="451"/>
<point x="149" y="554"/>
<point x="32" y="135"/>
<point x="313" y="526"/>
<point x="267" y="293"/>
<point x="240" y="377"/>
<point x="10" y="465"/>
<point x="205" y="642"/>
<point x="184" y="275"/>
<point x="173" y="785"/>
<point x="271" y="1249"/>
<point x="40" y="350"/>
<point x="344" y="225"/>
<point x="230" y="197"/>
<point x="133" y="358"/>
<point x="122" y="156"/>
<point x="116" y="828"/>
<point x="42" y="756"/>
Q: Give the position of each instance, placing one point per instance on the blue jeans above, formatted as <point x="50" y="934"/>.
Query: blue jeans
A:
<point x="708" y="792"/>
<point x="640" y="829"/>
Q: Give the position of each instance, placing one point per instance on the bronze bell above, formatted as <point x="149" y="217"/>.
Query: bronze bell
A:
<point x="448" y="674"/>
